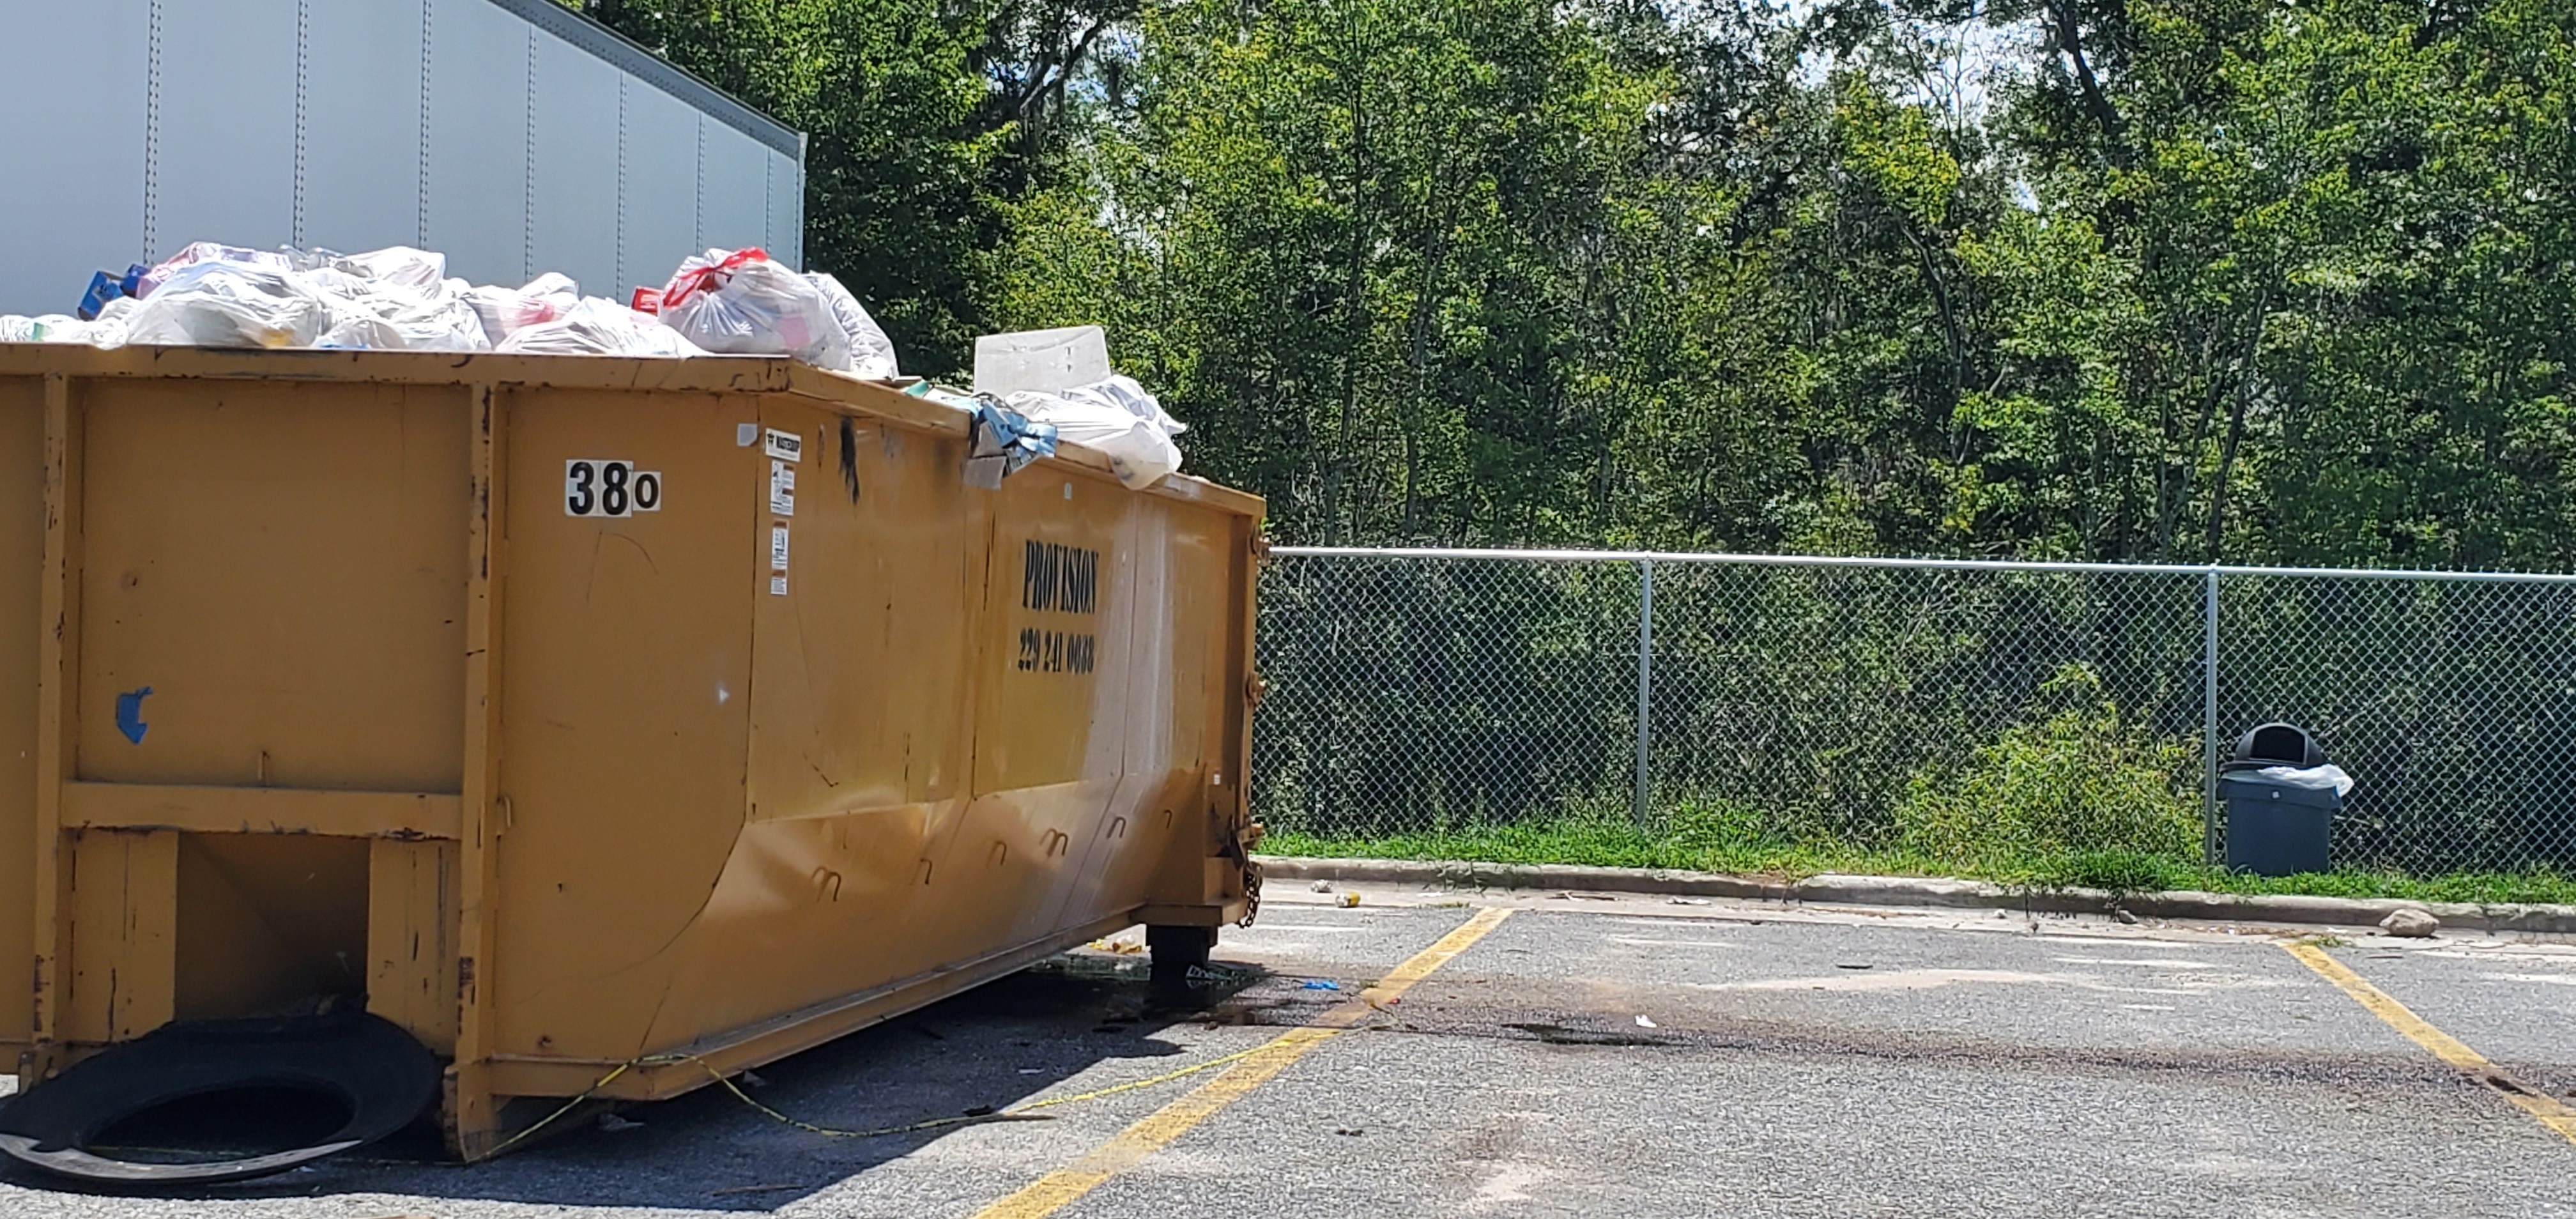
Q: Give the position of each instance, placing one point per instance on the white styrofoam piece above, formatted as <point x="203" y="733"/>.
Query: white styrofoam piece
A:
<point x="1041" y="360"/>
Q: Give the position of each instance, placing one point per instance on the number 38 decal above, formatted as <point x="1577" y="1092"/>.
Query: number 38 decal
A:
<point x="610" y="488"/>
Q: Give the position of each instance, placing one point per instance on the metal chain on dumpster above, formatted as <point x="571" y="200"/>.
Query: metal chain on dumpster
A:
<point x="1251" y="891"/>
<point x="1235" y="842"/>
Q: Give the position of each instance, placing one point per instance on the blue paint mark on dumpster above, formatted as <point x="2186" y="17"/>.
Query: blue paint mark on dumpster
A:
<point x="129" y="714"/>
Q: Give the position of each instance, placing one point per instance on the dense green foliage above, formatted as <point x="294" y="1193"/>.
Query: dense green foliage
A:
<point x="2115" y="279"/>
<point x="2247" y="281"/>
<point x="2073" y="781"/>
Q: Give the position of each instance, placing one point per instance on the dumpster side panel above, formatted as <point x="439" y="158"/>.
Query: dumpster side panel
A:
<point x="855" y="874"/>
<point x="806" y="911"/>
<point x="1050" y="705"/>
<point x="1060" y="558"/>
<point x="272" y="585"/>
<point x="859" y="745"/>
<point x="625" y="683"/>
<point x="1132" y="654"/>
<point x="861" y="662"/>
<point x="1177" y="680"/>
<point x="22" y="551"/>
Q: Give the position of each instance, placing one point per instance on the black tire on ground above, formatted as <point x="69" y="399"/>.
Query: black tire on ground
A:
<point x="1178" y="951"/>
<point x="376" y="1073"/>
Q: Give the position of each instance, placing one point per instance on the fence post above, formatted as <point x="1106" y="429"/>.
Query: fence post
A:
<point x="1645" y="683"/>
<point x="2209" y="717"/>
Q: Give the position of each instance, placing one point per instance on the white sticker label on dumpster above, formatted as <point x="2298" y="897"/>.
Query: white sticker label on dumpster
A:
<point x="778" y="586"/>
<point x="785" y="446"/>
<point x="778" y="548"/>
<point x="782" y="488"/>
<point x="596" y="486"/>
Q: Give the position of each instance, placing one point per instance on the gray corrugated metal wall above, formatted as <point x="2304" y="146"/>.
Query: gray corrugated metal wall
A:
<point x="513" y="135"/>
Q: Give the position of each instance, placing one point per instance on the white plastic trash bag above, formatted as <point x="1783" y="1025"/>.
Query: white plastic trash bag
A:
<point x="2315" y="778"/>
<point x="504" y="310"/>
<point x="871" y="352"/>
<point x="198" y="253"/>
<point x="596" y="327"/>
<point x="440" y="321"/>
<point x="107" y="331"/>
<point x="1123" y="393"/>
<point x="419" y="271"/>
<point x="388" y="316"/>
<point x="1115" y="418"/>
<point x="353" y="327"/>
<point x="225" y="303"/>
<point x="743" y="303"/>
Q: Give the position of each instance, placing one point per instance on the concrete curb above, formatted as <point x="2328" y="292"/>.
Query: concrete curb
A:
<point x="1921" y="891"/>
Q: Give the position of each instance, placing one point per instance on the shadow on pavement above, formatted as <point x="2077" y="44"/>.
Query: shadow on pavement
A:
<point x="988" y="1050"/>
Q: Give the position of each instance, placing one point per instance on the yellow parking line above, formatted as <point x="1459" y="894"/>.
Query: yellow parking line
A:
<point x="1052" y="1192"/>
<point x="2547" y="1109"/>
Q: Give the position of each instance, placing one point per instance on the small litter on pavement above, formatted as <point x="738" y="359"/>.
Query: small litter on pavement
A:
<point x="1644" y="1023"/>
<point x="2410" y="923"/>
<point x="1322" y="984"/>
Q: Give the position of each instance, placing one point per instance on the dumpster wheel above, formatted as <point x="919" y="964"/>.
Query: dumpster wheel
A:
<point x="380" y="1075"/>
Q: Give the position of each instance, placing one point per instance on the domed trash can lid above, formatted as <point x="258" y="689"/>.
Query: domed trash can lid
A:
<point x="2276" y="744"/>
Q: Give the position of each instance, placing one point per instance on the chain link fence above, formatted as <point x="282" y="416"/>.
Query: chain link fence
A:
<point x="1967" y="712"/>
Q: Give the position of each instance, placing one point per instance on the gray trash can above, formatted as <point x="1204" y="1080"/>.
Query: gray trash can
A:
<point x="2276" y="828"/>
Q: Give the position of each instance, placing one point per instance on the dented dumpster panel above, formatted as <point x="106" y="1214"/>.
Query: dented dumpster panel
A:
<point x="626" y="678"/>
<point x="593" y="719"/>
<point x="858" y="739"/>
<point x="859" y="662"/>
<point x="1182" y="561"/>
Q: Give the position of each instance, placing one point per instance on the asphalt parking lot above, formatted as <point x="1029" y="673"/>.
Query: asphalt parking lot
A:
<point x="1539" y="1055"/>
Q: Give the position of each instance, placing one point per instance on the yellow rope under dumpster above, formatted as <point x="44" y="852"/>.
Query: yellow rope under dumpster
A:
<point x="551" y="1118"/>
<point x="1027" y="1112"/>
<point x="1016" y="1113"/>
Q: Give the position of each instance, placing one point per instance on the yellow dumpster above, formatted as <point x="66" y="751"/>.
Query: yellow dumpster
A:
<point x="607" y="725"/>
